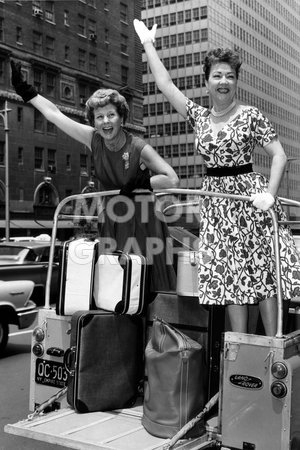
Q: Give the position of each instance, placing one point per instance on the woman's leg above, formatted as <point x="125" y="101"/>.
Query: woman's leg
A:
<point x="238" y="316"/>
<point x="268" y="311"/>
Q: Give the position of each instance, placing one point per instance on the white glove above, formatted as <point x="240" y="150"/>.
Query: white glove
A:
<point x="143" y="32"/>
<point x="263" y="200"/>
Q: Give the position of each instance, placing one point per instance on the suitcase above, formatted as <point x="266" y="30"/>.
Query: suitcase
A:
<point x="77" y="266"/>
<point x="119" y="282"/>
<point x="50" y="340"/>
<point x="187" y="274"/>
<point x="104" y="361"/>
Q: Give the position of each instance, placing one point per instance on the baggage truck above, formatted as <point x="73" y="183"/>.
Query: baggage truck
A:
<point x="258" y="380"/>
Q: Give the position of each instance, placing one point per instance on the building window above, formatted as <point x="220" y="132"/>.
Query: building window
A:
<point x="81" y="58"/>
<point x="92" y="63"/>
<point x="49" y="11"/>
<point x="67" y="53"/>
<point x="196" y="36"/>
<point x="83" y="164"/>
<point x="20" y="115"/>
<point x="38" y="80"/>
<point x="37" y="42"/>
<point x="204" y="35"/>
<point x="51" y="160"/>
<point x="203" y="12"/>
<point x="51" y="128"/>
<point x="173" y="19"/>
<point x="107" y="69"/>
<point x="124" y="44"/>
<point x="19" y="35"/>
<point x="124" y="75"/>
<point x="188" y="15"/>
<point x="196" y="14"/>
<point x="180" y="17"/>
<point x="38" y="121"/>
<point x="81" y="25"/>
<point x="123" y="12"/>
<point x="66" y="18"/>
<point x="68" y="162"/>
<point x="20" y="156"/>
<point x="166" y="20"/>
<point x="50" y="46"/>
<point x="39" y="158"/>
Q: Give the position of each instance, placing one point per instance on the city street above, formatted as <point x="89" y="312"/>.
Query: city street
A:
<point x="14" y="393"/>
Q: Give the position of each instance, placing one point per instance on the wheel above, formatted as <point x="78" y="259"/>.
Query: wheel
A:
<point x="3" y="335"/>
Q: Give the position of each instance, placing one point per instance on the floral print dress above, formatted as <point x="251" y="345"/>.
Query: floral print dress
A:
<point x="236" y="255"/>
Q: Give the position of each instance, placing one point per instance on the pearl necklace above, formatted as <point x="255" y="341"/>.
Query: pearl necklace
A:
<point x="224" y="112"/>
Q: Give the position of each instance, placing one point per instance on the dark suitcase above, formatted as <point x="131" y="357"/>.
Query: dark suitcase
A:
<point x="104" y="361"/>
<point x="120" y="282"/>
<point x="77" y="270"/>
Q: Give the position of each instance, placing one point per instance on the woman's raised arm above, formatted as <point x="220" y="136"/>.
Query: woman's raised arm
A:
<point x="159" y="72"/>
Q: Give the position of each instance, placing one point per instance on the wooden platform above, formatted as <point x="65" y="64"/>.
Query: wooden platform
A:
<point x="113" y="430"/>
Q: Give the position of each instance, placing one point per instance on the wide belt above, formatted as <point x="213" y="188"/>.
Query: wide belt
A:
<point x="227" y="171"/>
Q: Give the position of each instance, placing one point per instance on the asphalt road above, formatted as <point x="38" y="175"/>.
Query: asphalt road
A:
<point x="14" y="391"/>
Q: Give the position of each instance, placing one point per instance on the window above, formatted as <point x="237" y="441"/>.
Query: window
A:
<point x="37" y="42"/>
<point x="50" y="46"/>
<point x="67" y="53"/>
<point x="81" y="25"/>
<point x="180" y="17"/>
<point x="172" y="18"/>
<point x="196" y="36"/>
<point x="204" y="34"/>
<point x="92" y="63"/>
<point x="37" y="80"/>
<point x="124" y="44"/>
<point x="188" y="15"/>
<point x="20" y="115"/>
<point x="166" y="20"/>
<point x="173" y="40"/>
<point x="19" y="35"/>
<point x="50" y="84"/>
<point x="196" y="14"/>
<point x="188" y="37"/>
<point x="189" y="60"/>
<point x="81" y="58"/>
<point x="203" y="12"/>
<point x="166" y="41"/>
<point x="124" y="75"/>
<point x="51" y="128"/>
<point x="92" y="28"/>
<point x="152" y="109"/>
<point x="180" y="39"/>
<point x="66" y="18"/>
<point x="68" y="162"/>
<point x="38" y="121"/>
<point x="51" y="160"/>
<point x="39" y="158"/>
<point x="123" y="12"/>
<point x="107" y="69"/>
<point x="49" y="11"/>
<point x="83" y="164"/>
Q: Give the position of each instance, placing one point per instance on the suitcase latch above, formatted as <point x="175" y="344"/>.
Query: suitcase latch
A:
<point x="231" y="351"/>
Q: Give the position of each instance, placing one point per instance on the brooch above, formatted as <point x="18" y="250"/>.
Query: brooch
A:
<point x="125" y="157"/>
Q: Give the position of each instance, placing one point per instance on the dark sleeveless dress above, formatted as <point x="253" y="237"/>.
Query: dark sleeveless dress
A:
<point x="133" y="225"/>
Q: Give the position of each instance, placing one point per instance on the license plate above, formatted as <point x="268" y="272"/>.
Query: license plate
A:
<point x="50" y="373"/>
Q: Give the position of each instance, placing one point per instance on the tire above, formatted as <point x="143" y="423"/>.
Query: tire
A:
<point x="3" y="336"/>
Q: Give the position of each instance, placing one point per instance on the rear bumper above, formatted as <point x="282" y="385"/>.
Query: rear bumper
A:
<point x="26" y="316"/>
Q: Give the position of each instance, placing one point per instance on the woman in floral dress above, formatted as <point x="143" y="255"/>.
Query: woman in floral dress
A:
<point x="236" y="255"/>
<point x="124" y="162"/>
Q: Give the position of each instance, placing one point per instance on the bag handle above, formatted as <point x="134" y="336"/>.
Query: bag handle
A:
<point x="69" y="360"/>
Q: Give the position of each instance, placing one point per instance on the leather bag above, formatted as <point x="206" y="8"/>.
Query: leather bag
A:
<point x="175" y="382"/>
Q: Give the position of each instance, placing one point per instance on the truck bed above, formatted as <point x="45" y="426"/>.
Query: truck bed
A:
<point x="112" y="430"/>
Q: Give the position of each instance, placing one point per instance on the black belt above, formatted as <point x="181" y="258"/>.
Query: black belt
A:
<point x="227" y="171"/>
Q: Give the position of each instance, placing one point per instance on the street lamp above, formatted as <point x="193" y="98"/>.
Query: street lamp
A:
<point x="289" y="159"/>
<point x="4" y="115"/>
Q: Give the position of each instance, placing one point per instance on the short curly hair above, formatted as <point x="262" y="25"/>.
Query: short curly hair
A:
<point x="103" y="97"/>
<point x="218" y="55"/>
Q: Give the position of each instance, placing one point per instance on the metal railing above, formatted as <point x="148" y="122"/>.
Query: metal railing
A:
<point x="194" y="192"/>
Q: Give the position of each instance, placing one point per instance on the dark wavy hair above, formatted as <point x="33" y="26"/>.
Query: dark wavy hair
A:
<point x="225" y="55"/>
<point x="103" y="97"/>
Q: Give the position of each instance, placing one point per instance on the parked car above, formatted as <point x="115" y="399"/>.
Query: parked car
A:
<point x="16" y="307"/>
<point x="28" y="260"/>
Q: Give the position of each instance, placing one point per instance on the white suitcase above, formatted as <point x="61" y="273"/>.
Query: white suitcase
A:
<point x="119" y="282"/>
<point x="77" y="268"/>
<point x="187" y="274"/>
<point x="50" y="340"/>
